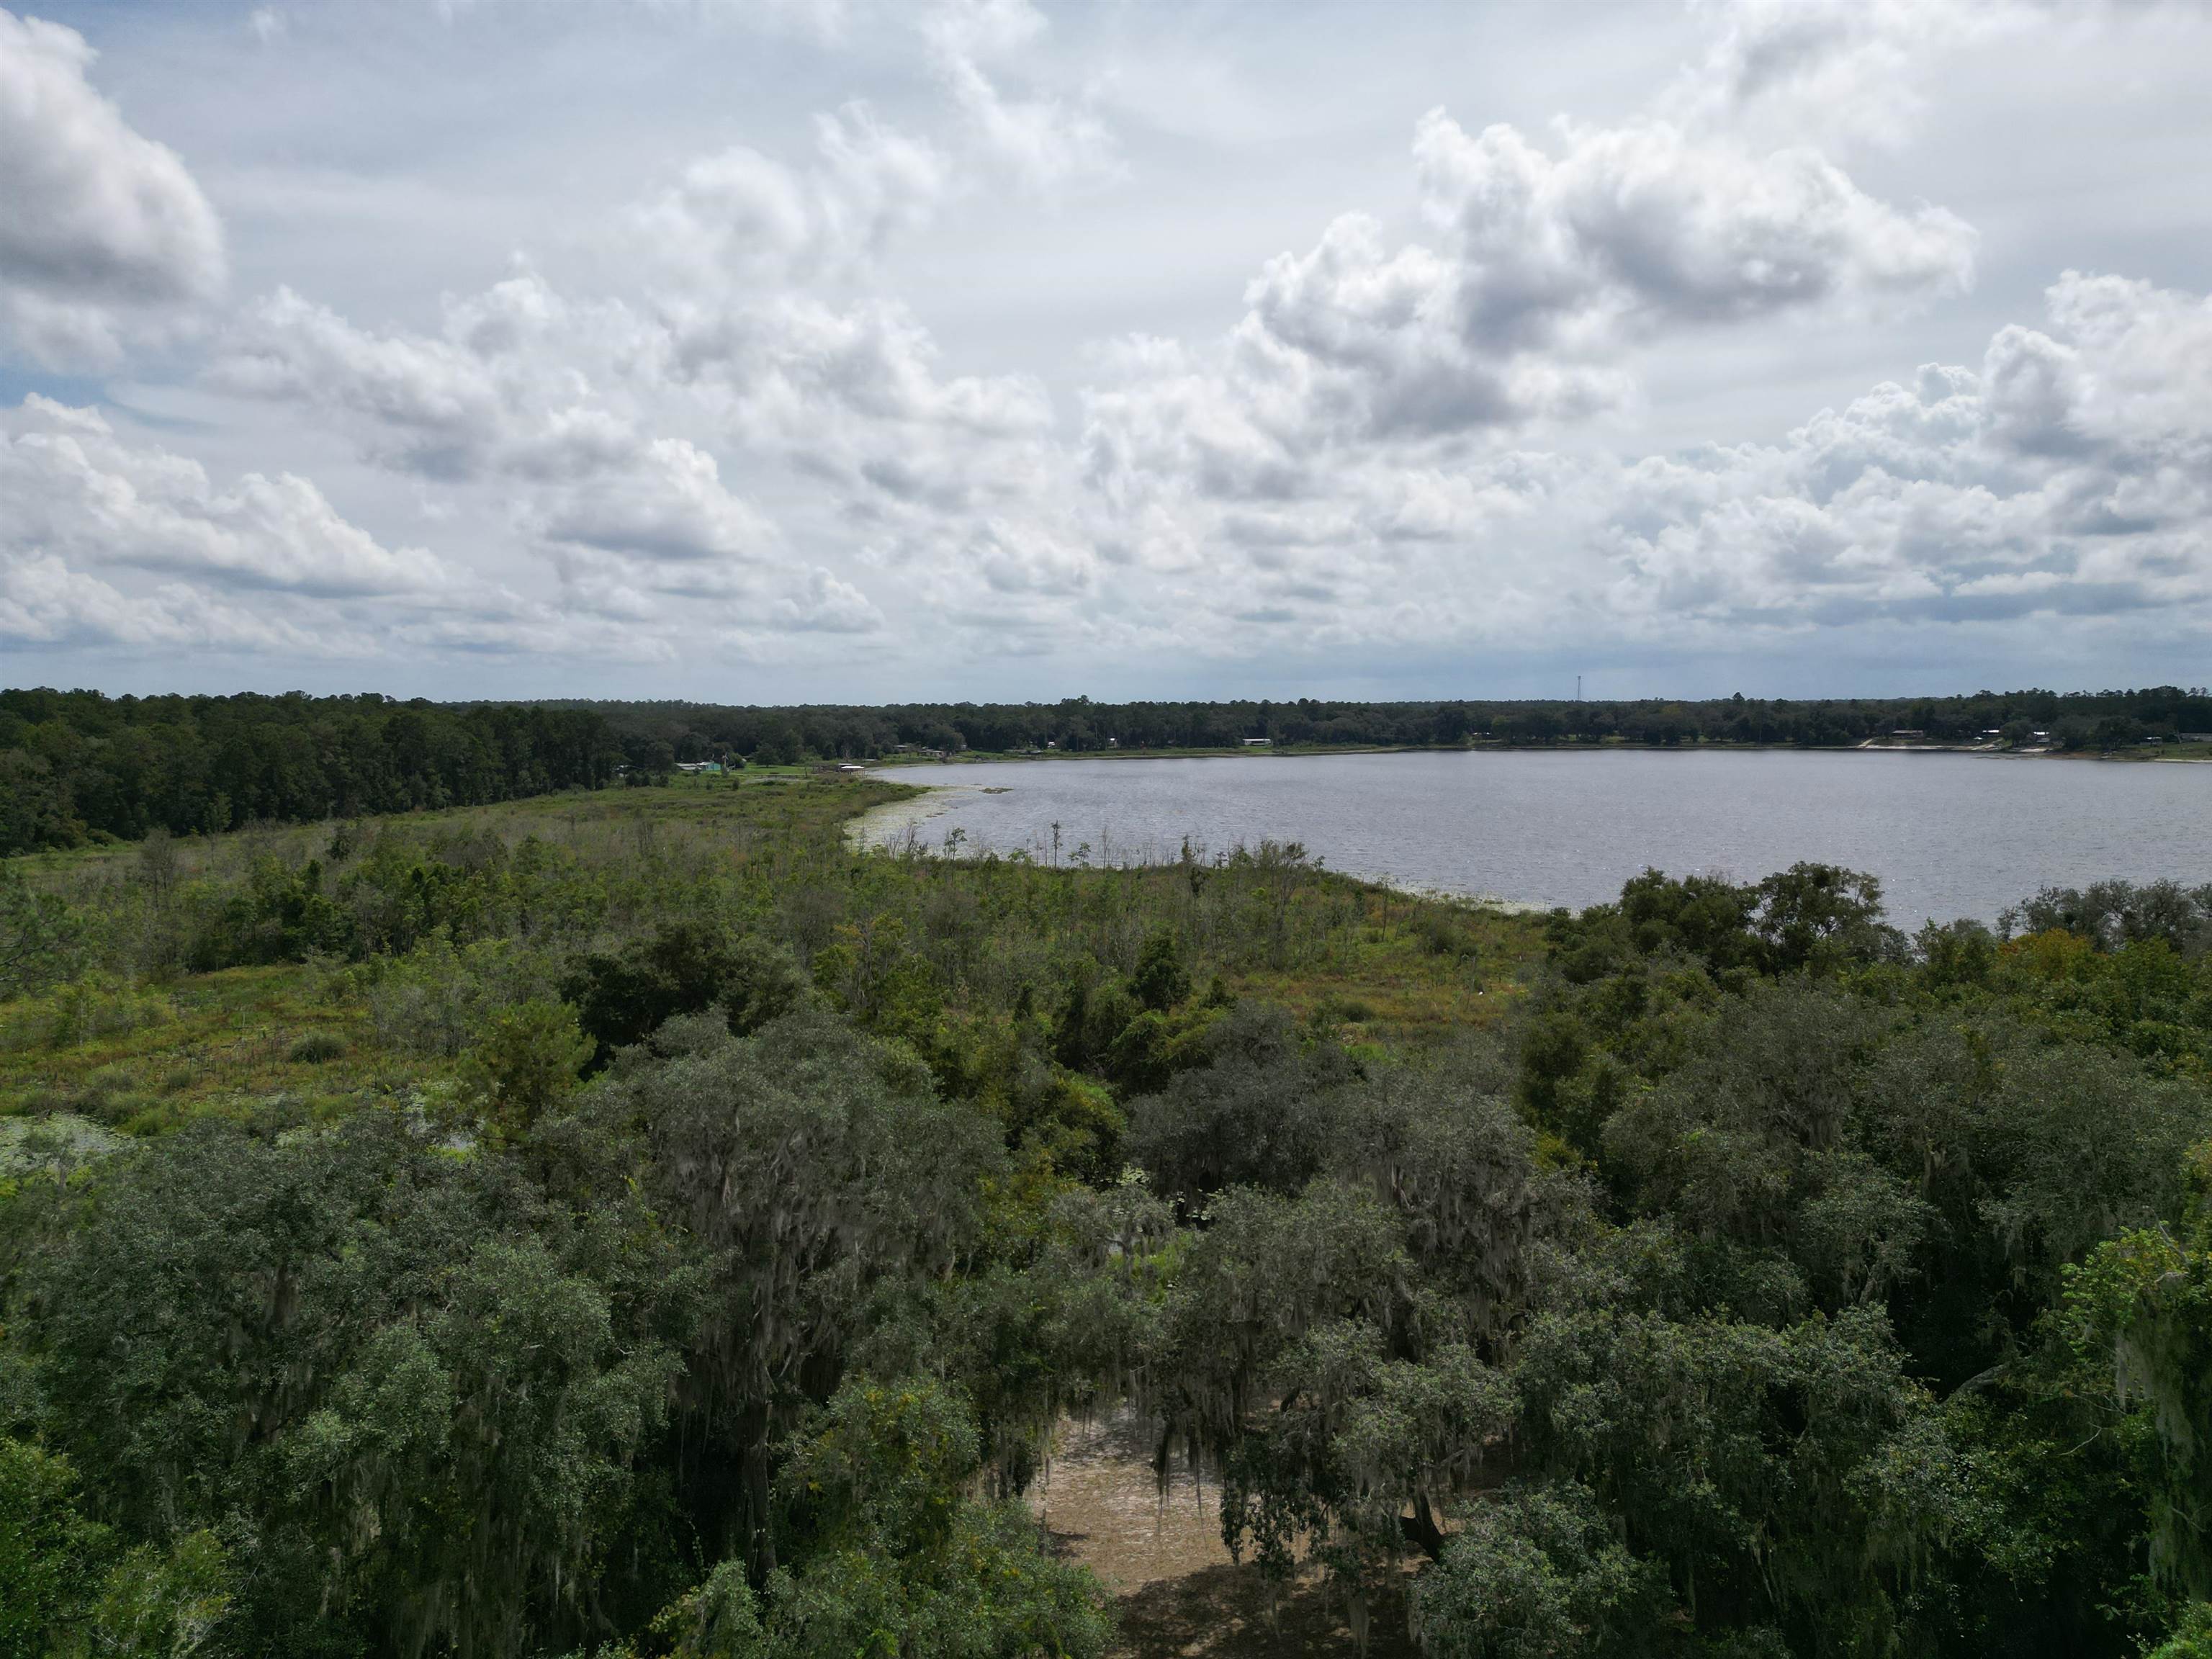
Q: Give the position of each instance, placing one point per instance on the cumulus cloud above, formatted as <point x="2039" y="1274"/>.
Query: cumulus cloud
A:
<point x="110" y="542"/>
<point x="1547" y="269"/>
<point x="602" y="419"/>
<point x="721" y="412"/>
<point x="1016" y="557"/>
<point x="740" y="213"/>
<point x="825" y="605"/>
<point x="500" y="379"/>
<point x="871" y="358"/>
<point x="745" y="345"/>
<point x="44" y="602"/>
<point x="2066" y="475"/>
<point x="668" y="504"/>
<point x="75" y="491"/>
<point x="2071" y="474"/>
<point x="853" y="394"/>
<point x="1633" y="228"/>
<point x="1048" y="143"/>
<point x="105" y="240"/>
<point x="502" y="395"/>
<point x="1838" y="71"/>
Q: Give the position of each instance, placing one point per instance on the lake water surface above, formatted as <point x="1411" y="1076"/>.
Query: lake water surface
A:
<point x="1950" y="834"/>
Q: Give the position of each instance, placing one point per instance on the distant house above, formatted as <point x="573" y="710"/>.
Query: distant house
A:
<point x="1908" y="733"/>
<point x="700" y="769"/>
<point x="1258" y="743"/>
<point x="2195" y="737"/>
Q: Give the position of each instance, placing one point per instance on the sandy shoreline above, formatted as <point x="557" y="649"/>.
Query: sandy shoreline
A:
<point x="895" y="825"/>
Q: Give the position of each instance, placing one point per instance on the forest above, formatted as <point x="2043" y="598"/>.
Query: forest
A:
<point x="78" y="766"/>
<point x="2089" y="722"/>
<point x="629" y="1222"/>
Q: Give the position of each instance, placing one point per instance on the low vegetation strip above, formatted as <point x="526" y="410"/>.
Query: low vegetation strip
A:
<point x="633" y="1222"/>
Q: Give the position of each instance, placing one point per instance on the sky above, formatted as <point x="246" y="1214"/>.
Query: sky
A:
<point x="832" y="351"/>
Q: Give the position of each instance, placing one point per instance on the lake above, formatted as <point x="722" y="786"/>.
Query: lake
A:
<point x="1950" y="834"/>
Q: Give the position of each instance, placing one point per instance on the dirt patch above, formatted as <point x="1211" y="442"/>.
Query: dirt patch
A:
<point x="1177" y="1590"/>
<point x="1222" y="1613"/>
<point x="1101" y="1505"/>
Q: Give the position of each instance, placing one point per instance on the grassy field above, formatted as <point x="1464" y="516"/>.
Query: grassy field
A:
<point x="139" y="1041"/>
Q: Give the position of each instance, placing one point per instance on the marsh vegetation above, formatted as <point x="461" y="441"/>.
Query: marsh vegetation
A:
<point x="632" y="1222"/>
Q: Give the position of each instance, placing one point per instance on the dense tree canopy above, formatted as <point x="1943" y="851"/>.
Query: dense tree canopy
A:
<point x="2082" y="721"/>
<point x="716" y="1224"/>
<point x="75" y="762"/>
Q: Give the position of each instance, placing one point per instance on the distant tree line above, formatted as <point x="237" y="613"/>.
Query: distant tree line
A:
<point x="75" y="765"/>
<point x="659" y="734"/>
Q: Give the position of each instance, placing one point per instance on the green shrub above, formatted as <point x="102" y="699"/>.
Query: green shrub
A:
<point x="1336" y="1009"/>
<point x="434" y="1001"/>
<point x="157" y="1606"/>
<point x="687" y="967"/>
<point x="2191" y="1638"/>
<point x="42" y="938"/>
<point x="316" y="1047"/>
<point x="47" y="1549"/>
<point x="81" y="1012"/>
<point x="1161" y="979"/>
<point x="1442" y="934"/>
<point x="525" y="1063"/>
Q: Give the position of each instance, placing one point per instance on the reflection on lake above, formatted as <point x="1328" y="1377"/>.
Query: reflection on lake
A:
<point x="1948" y="835"/>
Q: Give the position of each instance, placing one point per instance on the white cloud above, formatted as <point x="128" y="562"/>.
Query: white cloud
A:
<point x="668" y="504"/>
<point x="2072" y="474"/>
<point x="2066" y="478"/>
<point x="105" y="240"/>
<point x="266" y="566"/>
<point x="740" y="214"/>
<point x="75" y="490"/>
<point x="501" y="396"/>
<point x="503" y="385"/>
<point x="1547" y="270"/>
<point x="1016" y="557"/>
<point x="825" y="605"/>
<point x="1845" y="72"/>
<point x="1049" y="144"/>
<point x="108" y="543"/>
<point x="43" y="602"/>
<point x="600" y="428"/>
<point x="1635" y="228"/>
<point x="778" y="390"/>
<point x="872" y="359"/>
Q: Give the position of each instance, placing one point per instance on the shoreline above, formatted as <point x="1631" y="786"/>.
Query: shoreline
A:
<point x="889" y="826"/>
<point x="909" y="826"/>
<point x="892" y="827"/>
<point x="1309" y="751"/>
